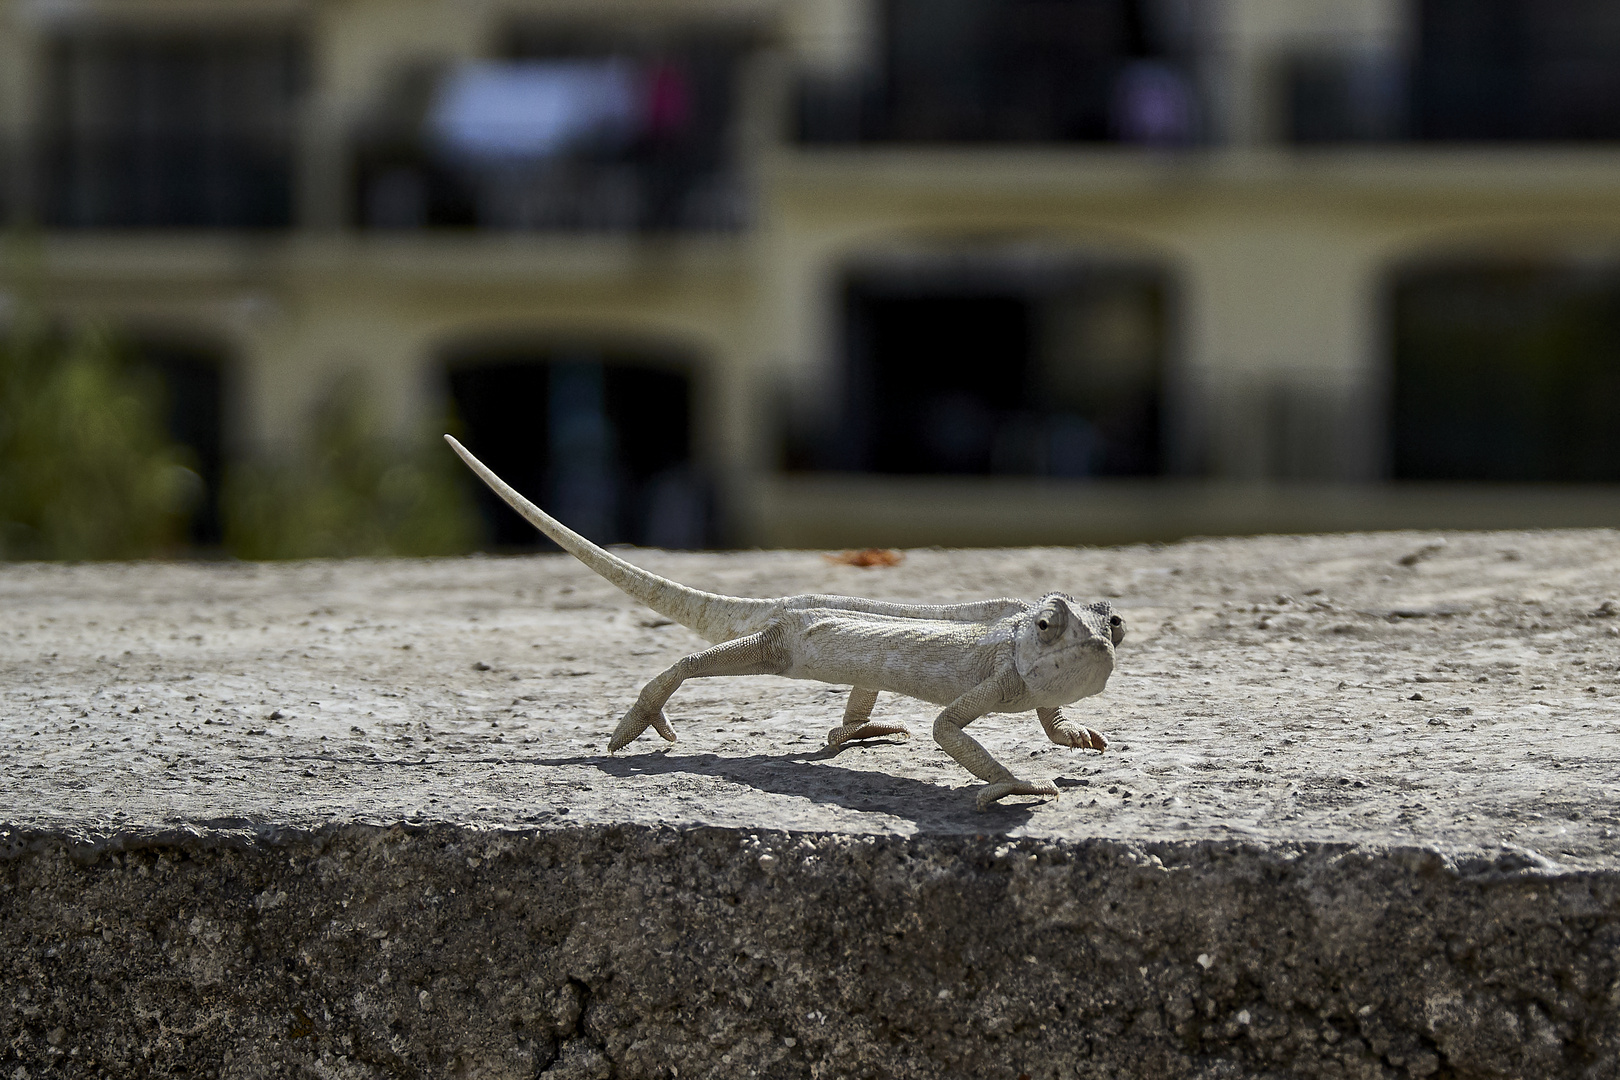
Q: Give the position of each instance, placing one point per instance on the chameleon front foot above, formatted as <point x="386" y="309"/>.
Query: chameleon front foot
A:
<point x="1065" y="732"/>
<point x="990" y="794"/>
<point x="635" y="722"/>
<point x="1073" y="735"/>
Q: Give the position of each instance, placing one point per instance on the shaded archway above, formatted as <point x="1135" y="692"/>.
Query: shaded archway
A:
<point x="600" y="436"/>
<point x="987" y="366"/>
<point x="192" y="380"/>
<point x="1506" y="371"/>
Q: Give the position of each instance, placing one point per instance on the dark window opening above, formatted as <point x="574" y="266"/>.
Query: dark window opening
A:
<point x="1054" y="377"/>
<point x="1518" y="69"/>
<point x="601" y="442"/>
<point x="1346" y="97"/>
<point x="193" y="398"/>
<point x="171" y="131"/>
<point x="1015" y="71"/>
<point x="566" y="131"/>
<point x="1480" y="71"/>
<point x="1507" y="374"/>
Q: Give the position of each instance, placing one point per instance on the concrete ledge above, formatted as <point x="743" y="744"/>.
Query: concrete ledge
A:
<point x="355" y="820"/>
<point x="365" y="951"/>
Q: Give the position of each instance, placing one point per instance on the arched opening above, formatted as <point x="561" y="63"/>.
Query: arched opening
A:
<point x="998" y="369"/>
<point x="1507" y="372"/>
<point x="601" y="438"/>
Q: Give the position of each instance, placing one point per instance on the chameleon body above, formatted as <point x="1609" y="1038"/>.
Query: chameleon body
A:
<point x="989" y="656"/>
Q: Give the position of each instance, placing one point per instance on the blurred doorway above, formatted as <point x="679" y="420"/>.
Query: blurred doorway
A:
<point x="998" y="371"/>
<point x="1507" y="373"/>
<point x="601" y="440"/>
<point x="192" y="383"/>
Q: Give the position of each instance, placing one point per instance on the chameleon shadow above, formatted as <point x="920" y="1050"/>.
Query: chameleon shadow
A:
<point x="809" y="775"/>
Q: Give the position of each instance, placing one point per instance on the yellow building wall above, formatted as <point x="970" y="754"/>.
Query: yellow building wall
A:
<point x="1279" y="259"/>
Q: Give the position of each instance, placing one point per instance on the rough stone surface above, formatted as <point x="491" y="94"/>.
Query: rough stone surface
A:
<point x="354" y="819"/>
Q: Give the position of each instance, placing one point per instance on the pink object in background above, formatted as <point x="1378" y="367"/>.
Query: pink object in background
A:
<point x="668" y="107"/>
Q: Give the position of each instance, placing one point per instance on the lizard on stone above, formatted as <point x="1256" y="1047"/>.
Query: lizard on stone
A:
<point x="989" y="656"/>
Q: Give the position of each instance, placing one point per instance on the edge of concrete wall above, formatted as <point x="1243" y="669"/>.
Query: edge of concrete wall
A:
<point x="240" y="950"/>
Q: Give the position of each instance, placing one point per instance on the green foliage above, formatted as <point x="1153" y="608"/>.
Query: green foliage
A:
<point x="350" y="491"/>
<point x="87" y="470"/>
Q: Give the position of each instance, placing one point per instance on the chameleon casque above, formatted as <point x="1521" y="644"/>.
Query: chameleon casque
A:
<point x="990" y="656"/>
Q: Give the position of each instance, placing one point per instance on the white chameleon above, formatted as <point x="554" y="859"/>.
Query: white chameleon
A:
<point x="989" y="656"/>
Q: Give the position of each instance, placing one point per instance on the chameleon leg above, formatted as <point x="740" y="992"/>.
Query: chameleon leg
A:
<point x="756" y="654"/>
<point x="856" y="723"/>
<point x="1065" y="732"/>
<point x="999" y="781"/>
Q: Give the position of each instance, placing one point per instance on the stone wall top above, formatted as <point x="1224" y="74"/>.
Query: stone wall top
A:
<point x="1457" y="692"/>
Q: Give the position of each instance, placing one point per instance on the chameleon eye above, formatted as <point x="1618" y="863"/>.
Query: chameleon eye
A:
<point x="1115" y="620"/>
<point x="1041" y="624"/>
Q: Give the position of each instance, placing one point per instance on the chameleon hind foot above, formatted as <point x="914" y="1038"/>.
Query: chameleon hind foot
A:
<point x="844" y="733"/>
<point x="990" y="794"/>
<point x="635" y="722"/>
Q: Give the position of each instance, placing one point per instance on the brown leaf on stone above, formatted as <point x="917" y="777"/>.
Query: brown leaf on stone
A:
<point x="866" y="557"/>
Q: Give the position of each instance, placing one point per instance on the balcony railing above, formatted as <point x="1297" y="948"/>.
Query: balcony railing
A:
<point x="606" y="141"/>
<point x="1479" y="71"/>
<point x="172" y="128"/>
<point x="167" y="181"/>
<point x="1020" y="71"/>
<point x="407" y="187"/>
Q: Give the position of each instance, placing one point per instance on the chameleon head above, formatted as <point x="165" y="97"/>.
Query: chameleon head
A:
<point x="1064" y="650"/>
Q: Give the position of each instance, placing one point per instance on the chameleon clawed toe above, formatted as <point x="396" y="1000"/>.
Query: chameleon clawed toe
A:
<point x="1065" y="732"/>
<point x="972" y="659"/>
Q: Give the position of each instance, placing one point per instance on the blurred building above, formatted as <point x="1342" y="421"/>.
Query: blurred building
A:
<point x="836" y="272"/>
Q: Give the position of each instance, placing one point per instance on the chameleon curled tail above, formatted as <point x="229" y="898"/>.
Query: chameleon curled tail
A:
<point x="715" y="617"/>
